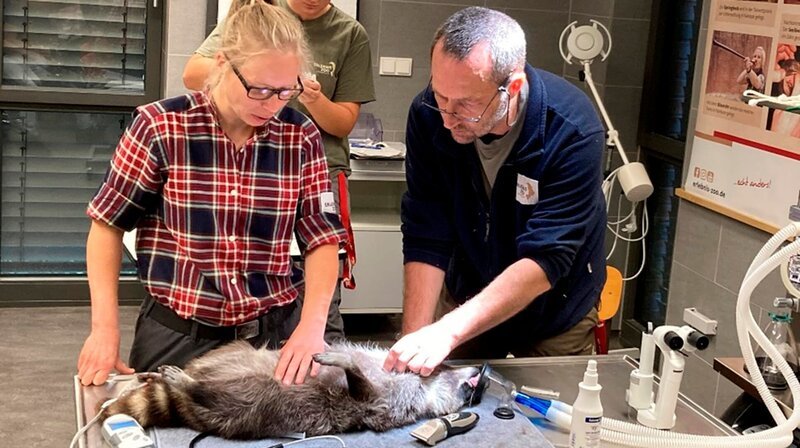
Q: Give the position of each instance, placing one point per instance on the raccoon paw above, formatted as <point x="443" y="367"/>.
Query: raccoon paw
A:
<point x="147" y="376"/>
<point x="174" y="375"/>
<point x="334" y="359"/>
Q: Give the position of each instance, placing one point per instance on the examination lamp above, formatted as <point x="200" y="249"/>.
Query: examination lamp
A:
<point x="583" y="44"/>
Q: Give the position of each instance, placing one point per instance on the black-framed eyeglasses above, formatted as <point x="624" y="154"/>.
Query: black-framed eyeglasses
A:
<point x="265" y="93"/>
<point x="502" y="88"/>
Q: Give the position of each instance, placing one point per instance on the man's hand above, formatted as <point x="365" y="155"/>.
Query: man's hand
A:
<point x="295" y="361"/>
<point x="99" y="356"/>
<point x="421" y="351"/>
<point x="312" y="91"/>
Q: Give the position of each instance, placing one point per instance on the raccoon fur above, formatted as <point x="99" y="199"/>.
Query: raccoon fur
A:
<point x="230" y="392"/>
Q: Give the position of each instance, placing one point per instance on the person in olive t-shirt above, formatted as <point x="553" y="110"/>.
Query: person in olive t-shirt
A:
<point x="334" y="92"/>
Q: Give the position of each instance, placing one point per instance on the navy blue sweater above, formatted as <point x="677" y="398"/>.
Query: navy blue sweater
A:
<point x="449" y="222"/>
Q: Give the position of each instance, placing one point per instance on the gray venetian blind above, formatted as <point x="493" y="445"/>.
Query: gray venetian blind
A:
<point x="52" y="164"/>
<point x="74" y="44"/>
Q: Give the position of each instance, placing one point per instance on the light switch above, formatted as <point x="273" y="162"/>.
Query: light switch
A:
<point x="387" y="66"/>
<point x="403" y="66"/>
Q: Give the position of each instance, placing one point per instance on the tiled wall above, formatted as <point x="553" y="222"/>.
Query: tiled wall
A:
<point x="712" y="254"/>
<point x="185" y="31"/>
<point x="404" y="28"/>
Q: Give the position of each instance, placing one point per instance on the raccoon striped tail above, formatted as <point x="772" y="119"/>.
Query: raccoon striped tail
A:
<point x="151" y="405"/>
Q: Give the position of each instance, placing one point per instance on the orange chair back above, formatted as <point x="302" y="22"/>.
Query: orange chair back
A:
<point x="611" y="294"/>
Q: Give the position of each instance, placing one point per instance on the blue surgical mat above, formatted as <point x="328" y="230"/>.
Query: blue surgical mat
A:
<point x="489" y="432"/>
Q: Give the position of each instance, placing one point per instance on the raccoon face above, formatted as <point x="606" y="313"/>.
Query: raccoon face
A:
<point x="449" y="388"/>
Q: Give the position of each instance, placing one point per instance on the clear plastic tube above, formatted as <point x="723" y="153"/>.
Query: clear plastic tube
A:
<point x="629" y="434"/>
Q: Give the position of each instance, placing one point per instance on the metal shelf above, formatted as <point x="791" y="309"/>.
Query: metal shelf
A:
<point x="378" y="170"/>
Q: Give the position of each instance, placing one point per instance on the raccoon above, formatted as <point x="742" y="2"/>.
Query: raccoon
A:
<point x="230" y="392"/>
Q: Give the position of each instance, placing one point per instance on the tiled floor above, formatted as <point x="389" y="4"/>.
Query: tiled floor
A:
<point x="39" y="349"/>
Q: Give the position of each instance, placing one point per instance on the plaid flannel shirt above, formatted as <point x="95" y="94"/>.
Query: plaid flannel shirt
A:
<point x="215" y="223"/>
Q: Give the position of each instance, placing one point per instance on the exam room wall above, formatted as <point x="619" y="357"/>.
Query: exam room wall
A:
<point x="711" y="255"/>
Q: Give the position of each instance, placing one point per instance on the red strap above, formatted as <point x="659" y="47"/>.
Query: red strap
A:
<point x="601" y="338"/>
<point x="348" y="280"/>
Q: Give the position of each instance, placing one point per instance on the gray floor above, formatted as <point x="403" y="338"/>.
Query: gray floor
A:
<point x="40" y="347"/>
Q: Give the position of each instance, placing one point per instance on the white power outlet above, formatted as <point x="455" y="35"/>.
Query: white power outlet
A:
<point x="395" y="66"/>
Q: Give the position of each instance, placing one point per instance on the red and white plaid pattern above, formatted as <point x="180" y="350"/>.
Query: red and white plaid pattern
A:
<point x="215" y="223"/>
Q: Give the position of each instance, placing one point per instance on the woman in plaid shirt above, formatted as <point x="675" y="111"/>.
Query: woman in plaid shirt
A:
<point x="217" y="183"/>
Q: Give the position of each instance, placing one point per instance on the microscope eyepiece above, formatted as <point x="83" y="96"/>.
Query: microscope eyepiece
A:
<point x="698" y="340"/>
<point x="673" y="340"/>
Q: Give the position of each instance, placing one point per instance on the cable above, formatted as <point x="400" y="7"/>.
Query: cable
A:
<point x="203" y="435"/>
<point x="129" y="388"/>
<point x="613" y="226"/>
<point x="312" y="438"/>
<point x="86" y="427"/>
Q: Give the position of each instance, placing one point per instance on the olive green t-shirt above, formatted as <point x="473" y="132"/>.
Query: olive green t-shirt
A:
<point x="342" y="64"/>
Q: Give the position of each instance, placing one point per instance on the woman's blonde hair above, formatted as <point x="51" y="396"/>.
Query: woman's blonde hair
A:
<point x="253" y="27"/>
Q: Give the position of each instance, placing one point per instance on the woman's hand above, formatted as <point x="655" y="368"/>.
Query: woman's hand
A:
<point x="295" y="360"/>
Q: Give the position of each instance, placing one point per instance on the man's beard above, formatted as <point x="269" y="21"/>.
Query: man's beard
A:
<point x="464" y="134"/>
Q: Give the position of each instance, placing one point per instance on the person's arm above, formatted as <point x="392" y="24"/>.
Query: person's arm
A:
<point x="742" y="78"/>
<point x="196" y="72"/>
<point x="321" y="272"/>
<point x="422" y="285"/>
<point x="201" y="64"/>
<point x="100" y="353"/>
<point x="546" y="252"/>
<point x="335" y="118"/>
<point x="748" y="68"/>
<point x="320" y="233"/>
<point x="509" y="293"/>
<point x="427" y="241"/>
<point x="336" y="111"/>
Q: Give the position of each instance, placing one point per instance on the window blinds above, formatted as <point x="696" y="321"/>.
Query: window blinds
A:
<point x="74" y="44"/>
<point x="52" y="164"/>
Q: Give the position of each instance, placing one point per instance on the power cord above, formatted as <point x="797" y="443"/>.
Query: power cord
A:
<point x="129" y="388"/>
<point x="203" y="435"/>
<point x="613" y="226"/>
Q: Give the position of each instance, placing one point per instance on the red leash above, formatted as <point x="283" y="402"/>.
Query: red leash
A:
<point x="348" y="280"/>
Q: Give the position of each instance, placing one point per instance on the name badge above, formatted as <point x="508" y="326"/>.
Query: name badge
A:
<point x="326" y="202"/>
<point x="527" y="190"/>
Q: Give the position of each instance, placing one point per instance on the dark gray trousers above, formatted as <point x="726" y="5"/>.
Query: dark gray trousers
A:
<point x="155" y="345"/>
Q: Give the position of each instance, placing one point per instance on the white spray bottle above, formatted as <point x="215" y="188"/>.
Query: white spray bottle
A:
<point x="587" y="412"/>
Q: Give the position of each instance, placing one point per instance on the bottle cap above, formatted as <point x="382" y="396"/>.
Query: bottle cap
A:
<point x="590" y="376"/>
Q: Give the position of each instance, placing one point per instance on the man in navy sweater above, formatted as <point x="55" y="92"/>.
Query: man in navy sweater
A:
<point x="504" y="206"/>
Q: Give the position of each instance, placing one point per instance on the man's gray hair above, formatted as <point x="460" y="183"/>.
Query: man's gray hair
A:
<point x="462" y="31"/>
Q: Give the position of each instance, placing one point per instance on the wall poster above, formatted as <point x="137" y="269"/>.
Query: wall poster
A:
<point x="747" y="158"/>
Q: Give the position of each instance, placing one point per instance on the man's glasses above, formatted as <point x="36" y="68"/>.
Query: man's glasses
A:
<point x="501" y="88"/>
<point x="265" y="93"/>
